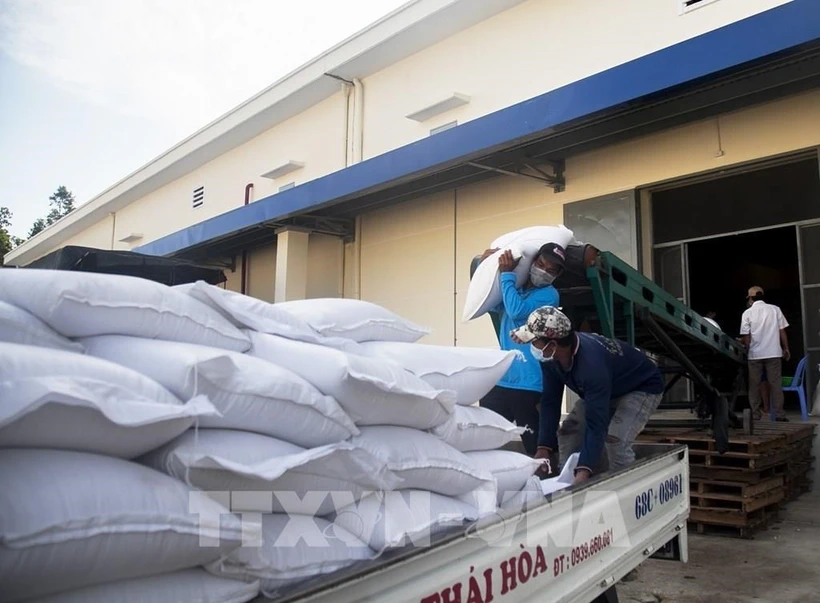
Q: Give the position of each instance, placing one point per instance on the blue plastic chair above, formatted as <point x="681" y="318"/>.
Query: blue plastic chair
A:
<point x="798" y="384"/>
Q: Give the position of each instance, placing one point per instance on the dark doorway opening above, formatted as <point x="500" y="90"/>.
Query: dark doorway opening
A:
<point x="722" y="269"/>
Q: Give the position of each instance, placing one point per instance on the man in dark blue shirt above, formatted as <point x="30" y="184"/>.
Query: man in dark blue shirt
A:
<point x="619" y="387"/>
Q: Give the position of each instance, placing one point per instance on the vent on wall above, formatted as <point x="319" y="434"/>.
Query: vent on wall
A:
<point x="199" y="197"/>
<point x="446" y="126"/>
<point x="690" y="5"/>
<point x="285" y="187"/>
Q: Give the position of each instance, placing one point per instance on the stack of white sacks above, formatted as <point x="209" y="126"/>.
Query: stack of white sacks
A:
<point x="134" y="418"/>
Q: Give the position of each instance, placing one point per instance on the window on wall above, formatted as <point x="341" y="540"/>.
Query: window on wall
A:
<point x="609" y="223"/>
<point x="690" y="5"/>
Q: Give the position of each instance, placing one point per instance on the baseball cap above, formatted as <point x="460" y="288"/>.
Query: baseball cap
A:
<point x="554" y="253"/>
<point x="754" y="291"/>
<point x="547" y="322"/>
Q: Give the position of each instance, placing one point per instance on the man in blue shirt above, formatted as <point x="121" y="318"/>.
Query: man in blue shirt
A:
<point x="619" y="387"/>
<point x="517" y="394"/>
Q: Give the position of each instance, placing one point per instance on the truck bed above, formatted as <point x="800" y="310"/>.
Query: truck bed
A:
<point x="571" y="547"/>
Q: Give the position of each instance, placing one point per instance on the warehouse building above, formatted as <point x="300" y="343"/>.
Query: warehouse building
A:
<point x="681" y="134"/>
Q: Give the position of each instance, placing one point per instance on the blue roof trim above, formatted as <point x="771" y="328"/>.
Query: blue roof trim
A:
<point x="772" y="31"/>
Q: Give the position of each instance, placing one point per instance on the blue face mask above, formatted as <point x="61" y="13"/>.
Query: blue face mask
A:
<point x="538" y="354"/>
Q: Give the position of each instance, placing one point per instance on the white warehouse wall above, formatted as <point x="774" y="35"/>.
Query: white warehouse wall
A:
<point x="98" y="235"/>
<point x="416" y="256"/>
<point x="536" y="47"/>
<point x="315" y="138"/>
<point x="520" y="53"/>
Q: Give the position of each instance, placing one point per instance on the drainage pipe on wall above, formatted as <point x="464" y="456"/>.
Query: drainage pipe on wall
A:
<point x="243" y="278"/>
<point x="113" y="228"/>
<point x="358" y="121"/>
<point x="348" y="138"/>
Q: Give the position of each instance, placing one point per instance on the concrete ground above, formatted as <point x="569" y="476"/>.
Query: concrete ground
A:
<point x="779" y="565"/>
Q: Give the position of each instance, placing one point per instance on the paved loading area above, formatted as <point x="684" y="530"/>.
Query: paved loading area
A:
<point x="779" y="564"/>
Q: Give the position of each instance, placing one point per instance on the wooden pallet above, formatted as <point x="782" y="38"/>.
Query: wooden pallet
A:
<point x="798" y="478"/>
<point x="734" y="518"/>
<point x="738" y="493"/>
<point x="738" y="460"/>
<point x="708" y="488"/>
<point x="744" y="476"/>
<point x="747" y="531"/>
<point x="739" y="443"/>
<point x="767" y="435"/>
<point x="772" y="444"/>
<point x="721" y="503"/>
<point x="793" y="432"/>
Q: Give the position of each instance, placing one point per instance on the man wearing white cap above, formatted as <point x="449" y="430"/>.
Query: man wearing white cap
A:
<point x="619" y="387"/>
<point x="763" y="332"/>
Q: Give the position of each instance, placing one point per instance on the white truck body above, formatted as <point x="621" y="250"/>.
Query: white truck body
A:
<point x="572" y="547"/>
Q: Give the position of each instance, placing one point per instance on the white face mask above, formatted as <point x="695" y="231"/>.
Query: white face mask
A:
<point x="538" y="354"/>
<point x="540" y="277"/>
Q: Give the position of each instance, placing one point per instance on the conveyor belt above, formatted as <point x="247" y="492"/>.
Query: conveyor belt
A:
<point x="612" y="293"/>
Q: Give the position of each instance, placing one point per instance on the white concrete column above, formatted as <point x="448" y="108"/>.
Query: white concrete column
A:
<point x="291" y="264"/>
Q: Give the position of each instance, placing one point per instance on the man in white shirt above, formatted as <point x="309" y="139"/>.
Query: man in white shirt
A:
<point x="763" y="332"/>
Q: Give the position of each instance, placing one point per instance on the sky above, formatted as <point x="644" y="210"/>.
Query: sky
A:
<point x="91" y="90"/>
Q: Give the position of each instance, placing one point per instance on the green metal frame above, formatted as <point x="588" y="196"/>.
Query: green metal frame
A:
<point x="620" y="291"/>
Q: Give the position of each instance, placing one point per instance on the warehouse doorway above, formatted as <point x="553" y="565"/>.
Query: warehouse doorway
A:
<point x="723" y="268"/>
<point x="717" y="234"/>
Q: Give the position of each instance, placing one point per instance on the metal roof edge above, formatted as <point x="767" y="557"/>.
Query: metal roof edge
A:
<point x="191" y="152"/>
<point x="778" y="29"/>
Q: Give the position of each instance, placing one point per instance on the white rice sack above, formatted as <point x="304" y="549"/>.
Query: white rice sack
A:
<point x="511" y="470"/>
<point x="421" y="460"/>
<point x="370" y="390"/>
<point x="294" y="548"/>
<point x="19" y="326"/>
<point x="72" y="519"/>
<point x="55" y="399"/>
<point x="272" y="476"/>
<point x="393" y="519"/>
<point x="484" y="292"/>
<point x="475" y="428"/>
<point x="470" y="372"/>
<point x="520" y="501"/>
<point x="354" y="319"/>
<point x="250" y="393"/>
<point x="184" y="586"/>
<point x="248" y="312"/>
<point x="564" y="479"/>
<point x="84" y="304"/>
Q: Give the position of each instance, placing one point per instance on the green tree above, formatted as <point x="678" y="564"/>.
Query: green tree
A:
<point x="5" y="245"/>
<point x="7" y="240"/>
<point x="62" y="204"/>
<point x="38" y="226"/>
<point x="5" y="218"/>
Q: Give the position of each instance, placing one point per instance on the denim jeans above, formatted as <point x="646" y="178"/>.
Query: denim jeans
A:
<point x="631" y="413"/>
